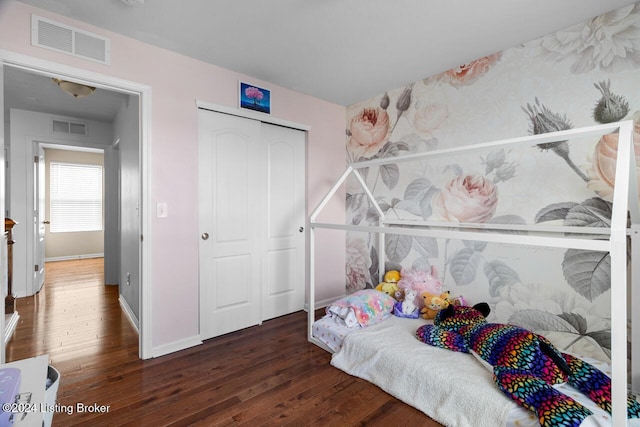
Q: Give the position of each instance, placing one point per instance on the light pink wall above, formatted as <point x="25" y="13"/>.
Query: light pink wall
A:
<point x="176" y="83"/>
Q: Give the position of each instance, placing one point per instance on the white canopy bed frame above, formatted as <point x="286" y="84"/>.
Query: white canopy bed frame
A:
<point x="612" y="240"/>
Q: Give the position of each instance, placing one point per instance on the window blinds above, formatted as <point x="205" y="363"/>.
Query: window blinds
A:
<point x="75" y="194"/>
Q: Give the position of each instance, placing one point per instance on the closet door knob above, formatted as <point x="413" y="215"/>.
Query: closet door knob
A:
<point x="301" y="229"/>
<point x="205" y="236"/>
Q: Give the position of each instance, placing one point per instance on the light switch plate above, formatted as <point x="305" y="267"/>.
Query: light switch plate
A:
<point x="162" y="210"/>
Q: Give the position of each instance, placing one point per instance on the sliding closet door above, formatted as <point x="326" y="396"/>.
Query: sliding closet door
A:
<point x="232" y="189"/>
<point x="284" y="263"/>
<point x="252" y="199"/>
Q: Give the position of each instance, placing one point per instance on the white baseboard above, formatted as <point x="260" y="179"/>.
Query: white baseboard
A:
<point x="70" y="257"/>
<point x="130" y="315"/>
<point x="322" y="303"/>
<point x="10" y="326"/>
<point x="176" y="346"/>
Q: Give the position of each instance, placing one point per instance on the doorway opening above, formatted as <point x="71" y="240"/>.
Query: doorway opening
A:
<point x="124" y="150"/>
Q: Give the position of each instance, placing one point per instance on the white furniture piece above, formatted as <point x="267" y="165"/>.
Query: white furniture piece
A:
<point x="34" y="393"/>
<point x="612" y="240"/>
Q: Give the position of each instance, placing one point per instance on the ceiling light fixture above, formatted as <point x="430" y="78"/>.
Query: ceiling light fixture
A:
<point x="132" y="2"/>
<point x="76" y="90"/>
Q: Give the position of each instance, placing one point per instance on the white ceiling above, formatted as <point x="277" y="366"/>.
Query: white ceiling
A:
<point x="342" y="51"/>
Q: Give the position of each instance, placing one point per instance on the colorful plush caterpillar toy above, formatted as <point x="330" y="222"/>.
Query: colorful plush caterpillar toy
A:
<point x="525" y="365"/>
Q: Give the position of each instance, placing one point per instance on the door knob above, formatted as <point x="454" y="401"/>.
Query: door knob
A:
<point x="46" y="221"/>
<point x="301" y="229"/>
<point x="205" y="236"/>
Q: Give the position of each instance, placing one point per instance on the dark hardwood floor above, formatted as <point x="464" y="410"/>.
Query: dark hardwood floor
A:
<point x="265" y="375"/>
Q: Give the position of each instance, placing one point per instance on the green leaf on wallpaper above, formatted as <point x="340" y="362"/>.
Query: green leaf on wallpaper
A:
<point x="538" y="320"/>
<point x="587" y="272"/>
<point x="390" y="175"/>
<point x="397" y="247"/>
<point x="554" y="212"/>
<point x="464" y="265"/>
<point x="577" y="321"/>
<point x="427" y="246"/>
<point x="499" y="274"/>
<point x="417" y="198"/>
<point x="476" y="245"/>
<point x="372" y="213"/>
<point x="593" y="212"/>
<point x="603" y="338"/>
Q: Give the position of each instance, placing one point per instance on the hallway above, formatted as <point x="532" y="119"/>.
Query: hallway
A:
<point x="74" y="317"/>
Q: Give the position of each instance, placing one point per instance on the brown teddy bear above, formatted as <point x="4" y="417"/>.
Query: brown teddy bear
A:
<point x="433" y="304"/>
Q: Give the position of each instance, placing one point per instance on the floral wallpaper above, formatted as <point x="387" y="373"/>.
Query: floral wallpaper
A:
<point x="583" y="75"/>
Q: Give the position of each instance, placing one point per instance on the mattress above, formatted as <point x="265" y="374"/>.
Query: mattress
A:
<point x="331" y="332"/>
<point x="452" y="388"/>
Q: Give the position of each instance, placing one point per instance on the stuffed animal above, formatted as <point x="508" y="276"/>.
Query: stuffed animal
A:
<point x="432" y="304"/>
<point x="525" y="364"/>
<point x="420" y="281"/>
<point x="459" y="300"/>
<point x="390" y="284"/>
<point x="407" y="308"/>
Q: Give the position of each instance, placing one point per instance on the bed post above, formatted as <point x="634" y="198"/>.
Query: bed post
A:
<point x="619" y="284"/>
<point x="635" y="314"/>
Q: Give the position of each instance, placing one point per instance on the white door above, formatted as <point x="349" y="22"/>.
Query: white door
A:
<point x="39" y="220"/>
<point x="231" y="189"/>
<point x="251" y="210"/>
<point x="284" y="263"/>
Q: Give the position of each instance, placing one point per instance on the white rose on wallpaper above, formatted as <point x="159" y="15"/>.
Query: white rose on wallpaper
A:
<point x="467" y="198"/>
<point x="609" y="42"/>
<point x="368" y="131"/>
<point x="603" y="163"/>
<point x="429" y="118"/>
<point x="357" y="264"/>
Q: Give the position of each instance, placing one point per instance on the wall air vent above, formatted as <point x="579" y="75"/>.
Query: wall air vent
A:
<point x="63" y="38"/>
<point x="70" y="128"/>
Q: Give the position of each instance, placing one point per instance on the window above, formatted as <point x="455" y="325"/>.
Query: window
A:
<point x="75" y="196"/>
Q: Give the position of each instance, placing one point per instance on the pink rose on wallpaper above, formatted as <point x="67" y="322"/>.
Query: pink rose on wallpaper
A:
<point x="603" y="163"/>
<point x="358" y="262"/>
<point x="467" y="198"/>
<point x="429" y="118"/>
<point x="368" y="131"/>
<point x="468" y="73"/>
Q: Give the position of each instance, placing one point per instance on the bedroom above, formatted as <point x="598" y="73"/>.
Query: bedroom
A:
<point x="170" y="331"/>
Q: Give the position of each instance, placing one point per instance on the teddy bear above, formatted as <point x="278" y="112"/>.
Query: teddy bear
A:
<point x="525" y="365"/>
<point x="390" y="285"/>
<point x="432" y="304"/>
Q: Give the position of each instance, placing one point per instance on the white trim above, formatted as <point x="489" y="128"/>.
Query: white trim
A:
<point x="52" y="69"/>
<point x="248" y="114"/>
<point x="11" y="326"/>
<point x="176" y="346"/>
<point x="71" y="257"/>
<point x="130" y="315"/>
<point x="321" y="303"/>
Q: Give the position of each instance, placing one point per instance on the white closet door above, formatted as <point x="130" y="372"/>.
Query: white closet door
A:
<point x="252" y="210"/>
<point x="232" y="189"/>
<point x="284" y="261"/>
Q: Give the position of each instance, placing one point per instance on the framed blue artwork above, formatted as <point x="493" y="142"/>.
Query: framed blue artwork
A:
<point x="255" y="98"/>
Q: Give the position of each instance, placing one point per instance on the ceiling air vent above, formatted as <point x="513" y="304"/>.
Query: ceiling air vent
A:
<point x="63" y="38"/>
<point x="71" y="128"/>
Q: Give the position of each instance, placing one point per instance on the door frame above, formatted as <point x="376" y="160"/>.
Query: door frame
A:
<point x="102" y="81"/>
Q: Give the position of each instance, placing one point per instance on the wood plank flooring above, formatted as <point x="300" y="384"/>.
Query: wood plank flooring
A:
<point x="267" y="375"/>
